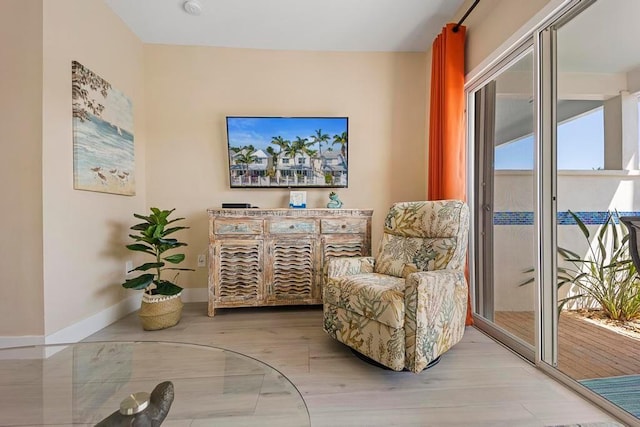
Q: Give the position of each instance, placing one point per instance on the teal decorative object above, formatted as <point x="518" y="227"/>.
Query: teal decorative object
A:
<point x="334" y="202"/>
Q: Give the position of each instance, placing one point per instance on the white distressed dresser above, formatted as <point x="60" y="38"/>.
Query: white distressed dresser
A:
<point x="265" y="257"/>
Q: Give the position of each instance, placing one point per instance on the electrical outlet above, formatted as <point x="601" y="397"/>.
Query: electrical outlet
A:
<point x="202" y="260"/>
<point x="128" y="266"/>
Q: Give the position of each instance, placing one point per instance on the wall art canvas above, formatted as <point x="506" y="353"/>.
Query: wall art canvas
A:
<point x="103" y="150"/>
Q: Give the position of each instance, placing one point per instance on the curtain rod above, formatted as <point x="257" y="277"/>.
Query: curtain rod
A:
<point x="475" y="3"/>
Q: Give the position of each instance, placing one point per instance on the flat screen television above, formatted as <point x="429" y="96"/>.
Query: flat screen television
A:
<point x="277" y="152"/>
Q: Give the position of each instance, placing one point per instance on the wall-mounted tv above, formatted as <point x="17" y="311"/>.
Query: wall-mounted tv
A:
<point x="288" y="152"/>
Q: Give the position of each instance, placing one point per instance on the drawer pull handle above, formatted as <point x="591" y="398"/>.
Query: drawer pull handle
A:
<point x="291" y="227"/>
<point x="344" y="225"/>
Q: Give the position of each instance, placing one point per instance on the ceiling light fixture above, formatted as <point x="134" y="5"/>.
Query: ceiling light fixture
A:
<point x="192" y="7"/>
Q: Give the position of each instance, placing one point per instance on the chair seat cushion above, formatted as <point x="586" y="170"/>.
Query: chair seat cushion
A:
<point x="375" y="296"/>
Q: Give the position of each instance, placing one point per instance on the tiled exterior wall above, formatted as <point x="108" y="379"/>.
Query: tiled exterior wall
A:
<point x="589" y="194"/>
<point x="564" y="218"/>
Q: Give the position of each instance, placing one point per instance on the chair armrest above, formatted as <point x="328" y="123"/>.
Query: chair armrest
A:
<point x="348" y="266"/>
<point x="435" y="310"/>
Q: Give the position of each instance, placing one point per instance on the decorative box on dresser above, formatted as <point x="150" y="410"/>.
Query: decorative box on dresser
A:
<point x="265" y="257"/>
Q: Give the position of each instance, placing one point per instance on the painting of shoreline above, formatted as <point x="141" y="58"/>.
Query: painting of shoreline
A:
<point x="103" y="143"/>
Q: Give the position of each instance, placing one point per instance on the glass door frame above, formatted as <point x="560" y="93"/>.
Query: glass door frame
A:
<point x="481" y="100"/>
<point x="545" y="204"/>
<point x="542" y="37"/>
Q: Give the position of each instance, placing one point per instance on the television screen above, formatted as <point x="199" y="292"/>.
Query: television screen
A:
<point x="288" y="151"/>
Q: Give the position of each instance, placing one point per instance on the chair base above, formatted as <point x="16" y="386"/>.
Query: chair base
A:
<point x="370" y="361"/>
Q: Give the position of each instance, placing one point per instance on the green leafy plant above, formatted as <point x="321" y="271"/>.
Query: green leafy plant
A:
<point x="606" y="274"/>
<point x="152" y="239"/>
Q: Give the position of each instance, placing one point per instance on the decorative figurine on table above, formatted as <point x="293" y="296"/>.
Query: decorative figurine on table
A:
<point x="334" y="202"/>
<point x="142" y="409"/>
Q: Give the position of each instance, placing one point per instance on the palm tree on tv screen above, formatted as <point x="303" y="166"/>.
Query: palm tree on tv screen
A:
<point x="320" y="138"/>
<point x="282" y="143"/>
<point x="246" y="157"/>
<point x="274" y="158"/>
<point x="297" y="147"/>
<point x="342" y="140"/>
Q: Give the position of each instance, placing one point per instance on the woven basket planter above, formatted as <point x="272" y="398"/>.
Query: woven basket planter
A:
<point x="160" y="311"/>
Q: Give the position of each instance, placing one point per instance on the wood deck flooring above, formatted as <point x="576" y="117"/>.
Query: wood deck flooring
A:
<point x="586" y="350"/>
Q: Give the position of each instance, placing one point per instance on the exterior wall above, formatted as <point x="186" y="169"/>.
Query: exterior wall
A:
<point x="21" y="288"/>
<point x="580" y="191"/>
<point x="190" y="91"/>
<point x="84" y="232"/>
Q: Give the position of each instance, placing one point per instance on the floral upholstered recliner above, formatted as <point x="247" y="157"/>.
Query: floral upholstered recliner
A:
<point x="407" y="306"/>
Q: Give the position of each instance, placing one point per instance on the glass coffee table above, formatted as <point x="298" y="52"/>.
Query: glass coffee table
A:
<point x="83" y="383"/>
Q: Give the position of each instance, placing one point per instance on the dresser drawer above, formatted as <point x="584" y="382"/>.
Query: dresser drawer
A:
<point x="292" y="226"/>
<point x="238" y="226"/>
<point x="343" y="225"/>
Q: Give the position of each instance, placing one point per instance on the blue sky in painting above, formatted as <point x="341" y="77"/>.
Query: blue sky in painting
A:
<point x="580" y="146"/>
<point x="259" y="131"/>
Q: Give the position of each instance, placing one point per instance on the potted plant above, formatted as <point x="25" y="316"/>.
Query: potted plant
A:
<point x="161" y="304"/>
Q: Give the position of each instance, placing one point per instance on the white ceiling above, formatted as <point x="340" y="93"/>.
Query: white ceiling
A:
<point x="320" y="25"/>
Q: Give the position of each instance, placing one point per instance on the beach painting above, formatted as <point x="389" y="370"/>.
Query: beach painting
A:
<point x="103" y="150"/>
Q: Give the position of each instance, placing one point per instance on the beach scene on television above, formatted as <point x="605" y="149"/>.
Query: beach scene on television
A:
<point x="288" y="151"/>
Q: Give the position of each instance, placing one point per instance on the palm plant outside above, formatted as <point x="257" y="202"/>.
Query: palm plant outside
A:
<point x="606" y="274"/>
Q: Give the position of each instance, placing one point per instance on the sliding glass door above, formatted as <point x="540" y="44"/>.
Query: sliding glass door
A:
<point x="503" y="129"/>
<point x="553" y="131"/>
<point x="596" y="169"/>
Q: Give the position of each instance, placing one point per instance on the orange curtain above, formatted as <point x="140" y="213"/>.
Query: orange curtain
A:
<point x="447" y="153"/>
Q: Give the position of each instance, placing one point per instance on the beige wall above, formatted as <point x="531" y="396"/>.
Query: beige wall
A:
<point x="21" y="298"/>
<point x="190" y="90"/>
<point x="85" y="232"/>
<point x="181" y="96"/>
<point x="491" y="23"/>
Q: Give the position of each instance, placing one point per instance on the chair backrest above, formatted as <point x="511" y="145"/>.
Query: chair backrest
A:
<point x="424" y="236"/>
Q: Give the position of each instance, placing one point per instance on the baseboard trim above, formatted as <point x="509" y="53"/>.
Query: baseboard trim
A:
<point x="82" y="329"/>
<point x="21" y="341"/>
